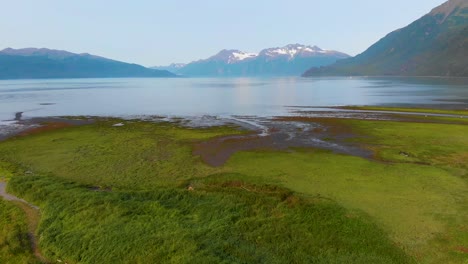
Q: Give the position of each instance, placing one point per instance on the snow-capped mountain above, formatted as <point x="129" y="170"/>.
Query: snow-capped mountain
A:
<point x="295" y="50"/>
<point x="231" y="56"/>
<point x="292" y="59"/>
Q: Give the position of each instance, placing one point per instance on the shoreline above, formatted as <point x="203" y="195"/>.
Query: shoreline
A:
<point x="17" y="127"/>
<point x="302" y="129"/>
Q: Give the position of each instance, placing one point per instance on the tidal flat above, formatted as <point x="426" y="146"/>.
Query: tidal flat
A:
<point x="346" y="188"/>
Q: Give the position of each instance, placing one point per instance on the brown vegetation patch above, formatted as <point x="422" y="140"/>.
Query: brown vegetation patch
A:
<point x="100" y="189"/>
<point x="217" y="151"/>
<point x="292" y="201"/>
<point x="283" y="194"/>
<point x="234" y="184"/>
<point x="456" y="159"/>
<point x="462" y="249"/>
<point x="45" y="128"/>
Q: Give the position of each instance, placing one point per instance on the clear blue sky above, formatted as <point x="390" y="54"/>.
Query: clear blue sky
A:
<point x="157" y="32"/>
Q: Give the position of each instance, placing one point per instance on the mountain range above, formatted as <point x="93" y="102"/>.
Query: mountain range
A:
<point x="32" y="63"/>
<point x="292" y="59"/>
<point x="434" y="45"/>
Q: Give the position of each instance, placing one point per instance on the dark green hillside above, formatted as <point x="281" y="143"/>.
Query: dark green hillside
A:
<point x="43" y="63"/>
<point x="434" y="45"/>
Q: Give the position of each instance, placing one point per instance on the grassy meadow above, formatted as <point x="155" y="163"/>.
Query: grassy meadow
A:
<point x="137" y="194"/>
<point x="416" y="186"/>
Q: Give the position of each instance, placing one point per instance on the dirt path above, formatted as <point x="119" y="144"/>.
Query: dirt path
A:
<point x="32" y="214"/>
<point x="10" y="197"/>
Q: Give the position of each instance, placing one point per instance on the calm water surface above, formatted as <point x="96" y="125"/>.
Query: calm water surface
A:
<point x="217" y="96"/>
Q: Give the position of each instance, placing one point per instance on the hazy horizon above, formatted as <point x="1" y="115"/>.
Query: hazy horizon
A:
<point x="159" y="33"/>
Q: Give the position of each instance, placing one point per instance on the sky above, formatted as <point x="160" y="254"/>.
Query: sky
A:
<point x="157" y="32"/>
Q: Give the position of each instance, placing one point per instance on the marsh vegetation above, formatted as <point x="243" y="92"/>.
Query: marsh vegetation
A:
<point x="137" y="194"/>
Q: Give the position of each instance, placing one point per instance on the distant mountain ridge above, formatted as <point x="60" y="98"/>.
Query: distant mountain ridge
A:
<point x="52" y="54"/>
<point x="292" y="59"/>
<point x="33" y="63"/>
<point x="434" y="45"/>
<point x="173" y="67"/>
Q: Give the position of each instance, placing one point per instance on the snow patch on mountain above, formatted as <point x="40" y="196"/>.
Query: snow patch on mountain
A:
<point x="294" y="50"/>
<point x="240" y="56"/>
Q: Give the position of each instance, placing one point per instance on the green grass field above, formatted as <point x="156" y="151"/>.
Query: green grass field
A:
<point x="137" y="194"/>
<point x="223" y="220"/>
